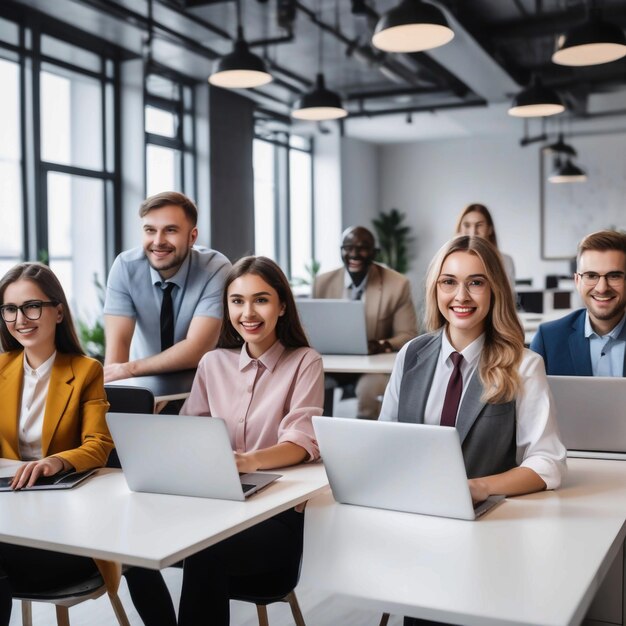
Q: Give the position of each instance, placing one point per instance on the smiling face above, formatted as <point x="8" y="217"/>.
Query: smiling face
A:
<point x="254" y="308"/>
<point x="605" y="303"/>
<point x="167" y="237"/>
<point x="465" y="312"/>
<point x="358" y="251"/>
<point x="475" y="224"/>
<point x="36" y="336"/>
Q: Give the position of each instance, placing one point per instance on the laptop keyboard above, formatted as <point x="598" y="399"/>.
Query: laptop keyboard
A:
<point x="246" y="487"/>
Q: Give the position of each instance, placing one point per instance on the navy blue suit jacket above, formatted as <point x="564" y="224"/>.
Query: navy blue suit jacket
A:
<point x="564" y="347"/>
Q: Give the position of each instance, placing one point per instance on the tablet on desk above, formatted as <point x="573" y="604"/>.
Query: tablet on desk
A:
<point x="63" y="480"/>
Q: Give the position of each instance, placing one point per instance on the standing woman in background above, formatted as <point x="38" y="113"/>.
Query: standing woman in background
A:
<point x="53" y="414"/>
<point x="475" y="220"/>
<point x="266" y="382"/>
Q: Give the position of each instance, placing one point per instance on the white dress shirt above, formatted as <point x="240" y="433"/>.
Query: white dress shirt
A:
<point x="32" y="408"/>
<point x="539" y="446"/>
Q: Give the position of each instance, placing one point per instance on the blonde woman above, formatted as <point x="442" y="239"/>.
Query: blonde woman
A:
<point x="473" y="372"/>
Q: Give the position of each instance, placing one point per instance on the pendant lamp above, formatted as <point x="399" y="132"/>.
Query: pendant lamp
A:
<point x="594" y="42"/>
<point x="560" y="147"/>
<point x="319" y="104"/>
<point x="412" y="26"/>
<point x="241" y="69"/>
<point x="567" y="173"/>
<point x="536" y="100"/>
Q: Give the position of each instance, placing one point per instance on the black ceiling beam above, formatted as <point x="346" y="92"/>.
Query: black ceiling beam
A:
<point x="393" y="93"/>
<point x="433" y="108"/>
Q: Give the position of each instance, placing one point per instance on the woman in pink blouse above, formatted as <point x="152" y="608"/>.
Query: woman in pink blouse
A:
<point x="266" y="382"/>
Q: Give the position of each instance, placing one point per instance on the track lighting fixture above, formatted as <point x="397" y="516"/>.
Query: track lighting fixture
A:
<point x="412" y="26"/>
<point x="567" y="173"/>
<point x="319" y="104"/>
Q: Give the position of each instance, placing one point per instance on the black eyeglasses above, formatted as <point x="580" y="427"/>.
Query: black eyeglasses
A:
<point x="593" y="278"/>
<point x="360" y="250"/>
<point x="30" y="310"/>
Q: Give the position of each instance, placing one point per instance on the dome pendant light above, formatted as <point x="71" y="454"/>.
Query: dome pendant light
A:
<point x="536" y="100"/>
<point x="568" y="173"/>
<point x="241" y="69"/>
<point x="592" y="43"/>
<point x="413" y="26"/>
<point x="319" y="104"/>
<point x="560" y="147"/>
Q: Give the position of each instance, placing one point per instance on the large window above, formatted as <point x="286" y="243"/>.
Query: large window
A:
<point x="169" y="132"/>
<point x="11" y="206"/>
<point x="58" y="178"/>
<point x="283" y="207"/>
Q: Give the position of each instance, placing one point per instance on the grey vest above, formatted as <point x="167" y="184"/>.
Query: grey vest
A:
<point x="487" y="431"/>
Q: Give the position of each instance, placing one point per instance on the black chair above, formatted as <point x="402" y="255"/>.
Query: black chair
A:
<point x="257" y="590"/>
<point x="125" y="399"/>
<point x="330" y="384"/>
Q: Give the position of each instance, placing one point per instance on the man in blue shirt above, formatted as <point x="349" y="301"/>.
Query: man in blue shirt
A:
<point x="591" y="341"/>
<point x="167" y="266"/>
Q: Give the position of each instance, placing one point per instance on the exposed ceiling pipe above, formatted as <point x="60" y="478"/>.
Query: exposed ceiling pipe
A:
<point x="433" y="108"/>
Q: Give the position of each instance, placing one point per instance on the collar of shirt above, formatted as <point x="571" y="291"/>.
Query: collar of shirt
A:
<point x="348" y="284"/>
<point x="178" y="279"/>
<point x="268" y="359"/>
<point x="43" y="370"/>
<point x="471" y="354"/>
<point x="617" y="332"/>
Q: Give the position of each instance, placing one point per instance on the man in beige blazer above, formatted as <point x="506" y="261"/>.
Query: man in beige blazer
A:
<point x="389" y="312"/>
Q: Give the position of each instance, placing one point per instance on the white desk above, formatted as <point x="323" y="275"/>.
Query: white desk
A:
<point x="531" y="321"/>
<point x="102" y="518"/>
<point x="355" y="364"/>
<point x="536" y="559"/>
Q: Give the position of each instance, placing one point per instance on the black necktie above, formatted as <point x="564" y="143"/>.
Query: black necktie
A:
<point x="167" y="317"/>
<point x="453" y="392"/>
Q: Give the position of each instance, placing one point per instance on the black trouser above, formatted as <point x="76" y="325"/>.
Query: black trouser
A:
<point x="265" y="549"/>
<point x="30" y="569"/>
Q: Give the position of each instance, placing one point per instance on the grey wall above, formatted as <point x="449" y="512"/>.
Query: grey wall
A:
<point x="433" y="181"/>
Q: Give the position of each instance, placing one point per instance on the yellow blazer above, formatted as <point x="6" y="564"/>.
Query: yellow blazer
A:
<point x="74" y="425"/>
<point x="389" y="310"/>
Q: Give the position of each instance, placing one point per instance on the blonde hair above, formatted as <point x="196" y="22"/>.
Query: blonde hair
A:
<point x="504" y="337"/>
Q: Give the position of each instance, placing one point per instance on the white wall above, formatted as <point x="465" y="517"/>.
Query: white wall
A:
<point x="360" y="201"/>
<point x="432" y="182"/>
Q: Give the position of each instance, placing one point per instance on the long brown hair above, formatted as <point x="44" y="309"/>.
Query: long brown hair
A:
<point x="484" y="211"/>
<point x="65" y="338"/>
<point x="288" y="327"/>
<point x="504" y="337"/>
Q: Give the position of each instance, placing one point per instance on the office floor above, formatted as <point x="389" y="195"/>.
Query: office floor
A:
<point x="317" y="609"/>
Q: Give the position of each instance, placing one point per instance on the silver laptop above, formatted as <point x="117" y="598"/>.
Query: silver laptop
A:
<point x="334" y="326"/>
<point x="591" y="412"/>
<point x="402" y="467"/>
<point x="181" y="455"/>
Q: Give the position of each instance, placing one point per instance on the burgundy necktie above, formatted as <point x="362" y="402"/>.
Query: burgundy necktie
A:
<point x="453" y="392"/>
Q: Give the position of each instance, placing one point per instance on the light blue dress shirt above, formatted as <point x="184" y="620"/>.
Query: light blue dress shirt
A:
<point x="607" y="351"/>
<point x="134" y="290"/>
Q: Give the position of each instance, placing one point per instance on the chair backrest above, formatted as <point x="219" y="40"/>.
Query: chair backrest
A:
<point x="125" y="399"/>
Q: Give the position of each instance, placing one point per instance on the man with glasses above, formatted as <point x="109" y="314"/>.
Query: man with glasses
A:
<point x="164" y="297"/>
<point x="591" y="341"/>
<point x="389" y="312"/>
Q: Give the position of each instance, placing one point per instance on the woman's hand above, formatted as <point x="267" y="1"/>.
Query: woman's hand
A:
<point x="28" y="473"/>
<point x="246" y="462"/>
<point x="479" y="489"/>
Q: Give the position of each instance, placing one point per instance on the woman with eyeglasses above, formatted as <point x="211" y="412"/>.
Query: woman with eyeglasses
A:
<point x="475" y="220"/>
<point x="472" y="371"/>
<point x="53" y="414"/>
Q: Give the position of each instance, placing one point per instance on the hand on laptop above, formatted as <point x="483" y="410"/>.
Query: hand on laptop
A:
<point x="246" y="462"/>
<point x="478" y="489"/>
<point x="27" y="474"/>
